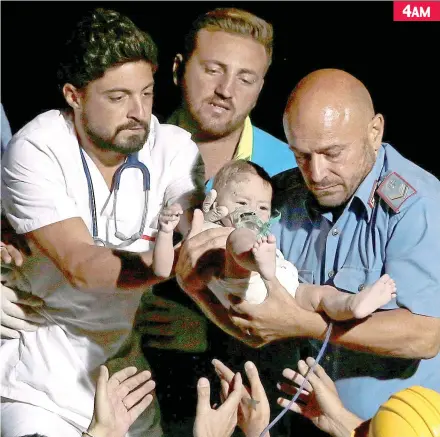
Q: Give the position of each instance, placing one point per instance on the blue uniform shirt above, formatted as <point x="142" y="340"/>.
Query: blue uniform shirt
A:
<point x="6" y="133"/>
<point x="366" y="241"/>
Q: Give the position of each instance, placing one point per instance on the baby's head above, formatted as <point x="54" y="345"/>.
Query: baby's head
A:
<point x="242" y="183"/>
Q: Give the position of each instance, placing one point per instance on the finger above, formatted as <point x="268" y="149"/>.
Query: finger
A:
<point x="314" y="380"/>
<point x="6" y="258"/>
<point x="216" y="214"/>
<point x="224" y="390"/>
<point x="19" y="324"/>
<point x="203" y="397"/>
<point x="234" y="398"/>
<point x="242" y="324"/>
<point x="135" y="381"/>
<point x="196" y="224"/>
<point x="209" y="200"/>
<point x="120" y="376"/>
<point x="294" y="407"/>
<point x="292" y="390"/>
<point x="11" y="255"/>
<point x="297" y="378"/>
<point x="8" y="333"/>
<point x="321" y="373"/>
<point x="223" y="371"/>
<point x="239" y="305"/>
<point x="139" y="393"/>
<point x="214" y="238"/>
<point x="138" y="409"/>
<point x="257" y="389"/>
<point x="101" y="384"/>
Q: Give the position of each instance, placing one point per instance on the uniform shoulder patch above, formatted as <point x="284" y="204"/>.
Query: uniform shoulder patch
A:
<point x="394" y="190"/>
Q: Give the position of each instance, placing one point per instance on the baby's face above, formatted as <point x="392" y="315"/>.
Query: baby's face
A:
<point x="247" y="190"/>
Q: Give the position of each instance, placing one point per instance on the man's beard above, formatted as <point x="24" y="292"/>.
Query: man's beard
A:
<point x="212" y="130"/>
<point x="132" y="144"/>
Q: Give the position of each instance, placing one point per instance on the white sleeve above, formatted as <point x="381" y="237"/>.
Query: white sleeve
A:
<point x="34" y="190"/>
<point x="184" y="187"/>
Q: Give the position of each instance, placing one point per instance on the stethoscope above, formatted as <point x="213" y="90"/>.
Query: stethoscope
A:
<point x="132" y="161"/>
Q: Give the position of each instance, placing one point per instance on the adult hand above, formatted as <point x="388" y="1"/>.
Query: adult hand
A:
<point x="278" y="317"/>
<point x="171" y="325"/>
<point x="119" y="401"/>
<point x="17" y="312"/>
<point x="254" y="410"/>
<point x="12" y="240"/>
<point x="212" y="212"/>
<point x="269" y="320"/>
<point x="17" y="307"/>
<point x="10" y="255"/>
<point x="201" y="255"/>
<point x="222" y="421"/>
<point x="320" y="400"/>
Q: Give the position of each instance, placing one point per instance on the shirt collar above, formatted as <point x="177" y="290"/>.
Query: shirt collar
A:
<point x="366" y="190"/>
<point x="245" y="145"/>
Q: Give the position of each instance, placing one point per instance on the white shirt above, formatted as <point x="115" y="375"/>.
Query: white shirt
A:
<point x="43" y="182"/>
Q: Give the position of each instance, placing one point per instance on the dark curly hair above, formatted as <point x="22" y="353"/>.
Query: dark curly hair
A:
<point x="100" y="40"/>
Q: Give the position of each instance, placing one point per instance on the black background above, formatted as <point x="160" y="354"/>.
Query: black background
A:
<point x="397" y="61"/>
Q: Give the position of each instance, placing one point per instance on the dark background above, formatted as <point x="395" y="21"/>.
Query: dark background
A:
<point x="397" y="61"/>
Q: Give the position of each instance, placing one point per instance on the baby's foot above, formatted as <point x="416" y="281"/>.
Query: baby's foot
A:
<point x="373" y="297"/>
<point x="264" y="251"/>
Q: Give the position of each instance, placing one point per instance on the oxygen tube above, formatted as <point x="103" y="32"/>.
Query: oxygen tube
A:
<point x="300" y="389"/>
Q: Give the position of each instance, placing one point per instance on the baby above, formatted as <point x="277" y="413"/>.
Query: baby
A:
<point x="243" y="190"/>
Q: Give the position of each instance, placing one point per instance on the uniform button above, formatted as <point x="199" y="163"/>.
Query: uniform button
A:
<point x="335" y="232"/>
<point x="331" y="273"/>
<point x="361" y="287"/>
<point x="327" y="358"/>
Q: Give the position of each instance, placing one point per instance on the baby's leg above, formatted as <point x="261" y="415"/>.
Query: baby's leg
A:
<point x="344" y="306"/>
<point x="246" y="254"/>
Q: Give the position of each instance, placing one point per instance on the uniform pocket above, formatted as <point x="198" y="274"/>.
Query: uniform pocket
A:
<point x="355" y="279"/>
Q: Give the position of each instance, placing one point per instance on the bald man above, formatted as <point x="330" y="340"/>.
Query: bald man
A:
<point x="354" y="210"/>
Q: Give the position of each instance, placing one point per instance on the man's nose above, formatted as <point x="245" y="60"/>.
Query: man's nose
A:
<point x="136" y="109"/>
<point x="225" y="86"/>
<point x="317" y="168"/>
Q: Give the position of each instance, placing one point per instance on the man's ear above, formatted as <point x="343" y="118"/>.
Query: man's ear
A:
<point x="375" y="132"/>
<point x="72" y="95"/>
<point x="178" y="67"/>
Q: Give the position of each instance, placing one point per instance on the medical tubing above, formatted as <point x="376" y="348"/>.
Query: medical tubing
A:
<point x="318" y="358"/>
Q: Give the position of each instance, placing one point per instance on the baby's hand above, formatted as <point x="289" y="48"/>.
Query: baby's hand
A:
<point x="170" y="217"/>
